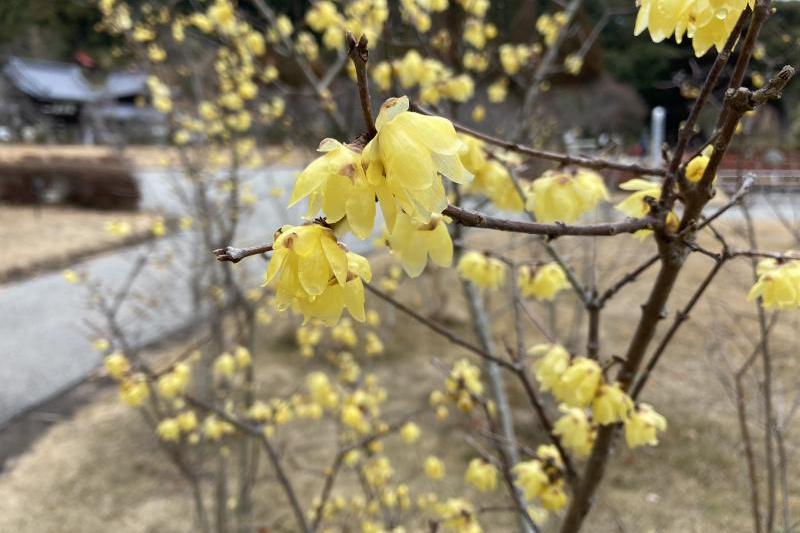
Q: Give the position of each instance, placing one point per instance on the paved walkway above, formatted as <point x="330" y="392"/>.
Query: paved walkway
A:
<point x="44" y="333"/>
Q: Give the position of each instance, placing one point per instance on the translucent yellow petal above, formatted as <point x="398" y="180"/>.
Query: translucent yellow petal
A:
<point x="337" y="192"/>
<point x="390" y="109"/>
<point x="337" y="259"/>
<point x="314" y="272"/>
<point x="353" y="294"/>
<point x="437" y="134"/>
<point x="440" y="246"/>
<point x="405" y="161"/>
<point x="361" y="211"/>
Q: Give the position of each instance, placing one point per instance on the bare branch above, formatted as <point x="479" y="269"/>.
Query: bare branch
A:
<point x="474" y="219"/>
<point x="359" y="54"/>
<point x="582" y="161"/>
<point x="234" y="255"/>
<point x="438" y="328"/>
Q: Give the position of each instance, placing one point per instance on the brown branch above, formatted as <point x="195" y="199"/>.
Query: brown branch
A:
<point x="681" y="317"/>
<point x="741" y="410"/>
<point x="234" y="255"/>
<point x="582" y="161"/>
<point x="272" y="453"/>
<point x="359" y="54"/>
<point x="627" y="278"/>
<point x="672" y="253"/>
<point x="687" y="129"/>
<point x="547" y="424"/>
<point x="465" y="217"/>
<point x="438" y="328"/>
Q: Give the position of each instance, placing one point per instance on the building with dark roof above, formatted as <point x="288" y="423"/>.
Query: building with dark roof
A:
<point x="58" y="103"/>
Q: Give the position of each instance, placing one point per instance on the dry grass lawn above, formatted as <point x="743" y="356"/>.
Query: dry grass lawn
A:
<point x="34" y="239"/>
<point x="100" y="471"/>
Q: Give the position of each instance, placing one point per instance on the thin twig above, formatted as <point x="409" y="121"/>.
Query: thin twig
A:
<point x="359" y="54"/>
<point x="438" y="328"/>
<point x="234" y="255"/>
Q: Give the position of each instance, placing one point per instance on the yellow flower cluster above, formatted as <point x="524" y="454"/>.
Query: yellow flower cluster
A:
<point x="483" y="271"/>
<point x="637" y="204"/>
<point x="542" y="478"/>
<point x="515" y="56"/>
<point x="174" y="383"/>
<point x="578" y="384"/>
<point x="336" y="184"/>
<point x="549" y="26"/>
<point x="458" y="516"/>
<point x="463" y="383"/>
<point x="697" y="166"/>
<point x="414" y="242"/>
<point x="418" y="12"/>
<point x="491" y="177"/>
<point x="312" y="273"/>
<point x="542" y="282"/>
<point x="434" y="468"/>
<point x="565" y="195"/>
<point x="706" y="23"/>
<point x="778" y="284"/>
<point x="360" y="17"/>
<point x="481" y="474"/>
<point x="434" y="80"/>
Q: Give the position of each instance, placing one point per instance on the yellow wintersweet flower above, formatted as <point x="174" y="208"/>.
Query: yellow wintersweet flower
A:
<point x="610" y="405"/>
<point x="458" y="516"/>
<point x="117" y="365"/>
<point x="482" y="475"/>
<point x="574" y="430"/>
<point x="434" y="468"/>
<point x="498" y="91"/>
<point x="565" y="196"/>
<point x="573" y="64"/>
<point x="372" y="344"/>
<point x="492" y="178"/>
<point x="214" y="428"/>
<point x="119" y="228"/>
<point x="483" y="271"/>
<point x="553" y="362"/>
<point x="353" y="417"/>
<point x="378" y="471"/>
<point x="579" y="382"/>
<point x="697" y="166"/>
<point x="531" y="478"/>
<point x="382" y="75"/>
<point x="225" y="365"/>
<point x="464" y="376"/>
<point x="405" y="159"/>
<point x="410" y="433"/>
<point x="322" y="392"/>
<point x="642" y="425"/>
<point x="168" y="430"/>
<point x="242" y="357"/>
<point x="778" y="285"/>
<point x="636" y="205"/>
<point x="310" y="271"/>
<point x="706" y="23"/>
<point x="553" y="497"/>
<point x="134" y="390"/>
<point x="336" y="184"/>
<point x="478" y="113"/>
<point x="187" y="421"/>
<point x="414" y="242"/>
<point x="542" y="283"/>
<point x="174" y="382"/>
<point x="71" y="277"/>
